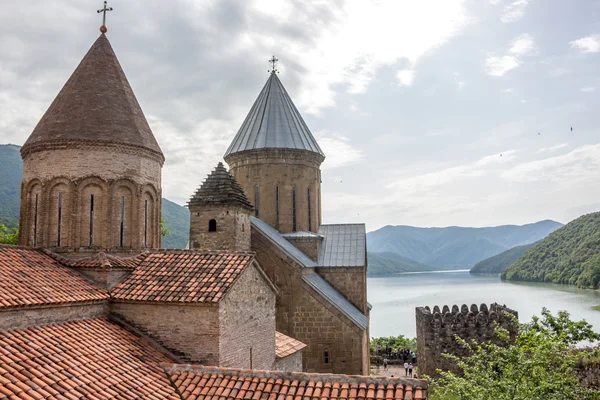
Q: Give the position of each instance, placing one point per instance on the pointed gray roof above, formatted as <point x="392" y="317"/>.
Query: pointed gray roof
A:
<point x="220" y="188"/>
<point x="274" y="122"/>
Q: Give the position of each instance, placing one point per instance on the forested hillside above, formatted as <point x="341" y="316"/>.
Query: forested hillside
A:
<point x="571" y="255"/>
<point x="11" y="174"/>
<point x="455" y="247"/>
<point x="498" y="263"/>
<point x="177" y="221"/>
<point x="386" y="264"/>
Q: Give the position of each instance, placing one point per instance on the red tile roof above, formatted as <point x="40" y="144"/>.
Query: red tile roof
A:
<point x="212" y="383"/>
<point x="29" y="277"/>
<point x="87" y="359"/>
<point x="183" y="276"/>
<point x="285" y="345"/>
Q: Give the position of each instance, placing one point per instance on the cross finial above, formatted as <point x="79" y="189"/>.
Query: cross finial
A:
<point x="103" y="28"/>
<point x="273" y="62"/>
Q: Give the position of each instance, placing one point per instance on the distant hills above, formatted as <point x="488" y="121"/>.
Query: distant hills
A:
<point x="455" y="247"/>
<point x="498" y="263"/>
<point x="177" y="218"/>
<point x="387" y="264"/>
<point x="571" y="255"/>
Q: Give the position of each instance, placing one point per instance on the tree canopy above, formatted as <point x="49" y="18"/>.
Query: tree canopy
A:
<point x="393" y="342"/>
<point x="539" y="365"/>
<point x="8" y="236"/>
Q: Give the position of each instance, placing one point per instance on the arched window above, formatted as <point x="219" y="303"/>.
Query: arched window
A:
<point x="294" y="209"/>
<point x="212" y="225"/>
<point x="308" y="198"/>
<point x="256" y="201"/>
<point x="277" y="207"/>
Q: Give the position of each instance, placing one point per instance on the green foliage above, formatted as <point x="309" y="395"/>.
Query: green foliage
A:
<point x="597" y="308"/>
<point x="571" y="255"/>
<point x="163" y="231"/>
<point x="539" y="365"/>
<point x="177" y="222"/>
<point x="386" y="264"/>
<point x="455" y="247"/>
<point x="11" y="174"/>
<point x="8" y="236"/>
<point x="394" y="342"/>
<point x="498" y="263"/>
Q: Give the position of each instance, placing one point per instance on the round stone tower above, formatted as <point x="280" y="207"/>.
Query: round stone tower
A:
<point x="92" y="167"/>
<point x="276" y="160"/>
<point x="220" y="214"/>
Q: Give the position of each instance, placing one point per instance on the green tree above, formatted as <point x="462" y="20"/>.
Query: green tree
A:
<point x="394" y="342"/>
<point x="8" y="236"/>
<point x="540" y="364"/>
<point x="163" y="230"/>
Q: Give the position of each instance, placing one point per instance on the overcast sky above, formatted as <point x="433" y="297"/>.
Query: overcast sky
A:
<point x="430" y="113"/>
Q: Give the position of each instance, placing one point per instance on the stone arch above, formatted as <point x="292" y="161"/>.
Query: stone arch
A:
<point x="150" y="217"/>
<point x="57" y="218"/>
<point x="123" y="213"/>
<point x="31" y="229"/>
<point x="93" y="198"/>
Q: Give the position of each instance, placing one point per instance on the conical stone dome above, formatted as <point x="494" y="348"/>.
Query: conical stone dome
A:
<point x="96" y="106"/>
<point x="220" y="188"/>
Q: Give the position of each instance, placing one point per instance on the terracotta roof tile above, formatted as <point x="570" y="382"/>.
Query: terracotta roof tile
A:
<point x="29" y="277"/>
<point x="91" y="358"/>
<point x="285" y="345"/>
<point x="213" y="383"/>
<point x="183" y="276"/>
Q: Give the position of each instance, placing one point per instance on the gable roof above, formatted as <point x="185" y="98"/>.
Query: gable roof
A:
<point x="344" y="245"/>
<point x="95" y="105"/>
<point x="285" y="345"/>
<point x="92" y="359"/>
<point x="183" y="276"/>
<point x="312" y="279"/>
<point x="30" y="277"/>
<point x="220" y="188"/>
<point x="274" y="122"/>
<point x="210" y="383"/>
<point x="99" y="260"/>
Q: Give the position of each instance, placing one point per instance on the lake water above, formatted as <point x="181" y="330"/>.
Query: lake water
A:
<point x="394" y="298"/>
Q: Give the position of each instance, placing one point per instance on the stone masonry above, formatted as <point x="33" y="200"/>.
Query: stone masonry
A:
<point x="437" y="331"/>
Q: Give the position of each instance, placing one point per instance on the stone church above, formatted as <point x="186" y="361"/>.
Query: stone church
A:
<point x="92" y="307"/>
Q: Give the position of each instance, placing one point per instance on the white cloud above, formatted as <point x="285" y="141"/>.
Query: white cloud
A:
<point x="338" y="150"/>
<point x="405" y="77"/>
<point x="588" y="89"/>
<point x="498" y="66"/>
<point x="523" y="45"/>
<point x="588" y="44"/>
<point x="514" y="11"/>
<point x="558" y="72"/>
<point x="552" y="149"/>
<point x="508" y="90"/>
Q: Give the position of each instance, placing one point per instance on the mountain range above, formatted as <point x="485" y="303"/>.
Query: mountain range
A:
<point x="498" y="263"/>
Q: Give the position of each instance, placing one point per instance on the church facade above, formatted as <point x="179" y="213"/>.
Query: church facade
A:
<point x="89" y="294"/>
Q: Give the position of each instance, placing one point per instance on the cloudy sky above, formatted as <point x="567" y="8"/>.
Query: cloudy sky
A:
<point x="431" y="113"/>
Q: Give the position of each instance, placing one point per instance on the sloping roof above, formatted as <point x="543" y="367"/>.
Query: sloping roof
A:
<point x="99" y="260"/>
<point x="274" y="122"/>
<point x="220" y="188"/>
<point x="96" y="104"/>
<point x="302" y="235"/>
<point x="336" y="298"/>
<point x="85" y="359"/>
<point x="29" y="277"/>
<point x="274" y="236"/>
<point x="314" y="280"/>
<point x="285" y="345"/>
<point x="344" y="245"/>
<point x="211" y="383"/>
<point x="184" y="276"/>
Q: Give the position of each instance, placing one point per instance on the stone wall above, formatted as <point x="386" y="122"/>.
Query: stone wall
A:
<point x="114" y="175"/>
<point x="588" y="373"/>
<point x="351" y="282"/>
<point x="30" y="316"/>
<point x="291" y="363"/>
<point x="247" y="323"/>
<point x="309" y="246"/>
<point x="281" y="173"/>
<point x="306" y="316"/>
<point x="190" y="331"/>
<point x="232" y="227"/>
<point x="437" y="330"/>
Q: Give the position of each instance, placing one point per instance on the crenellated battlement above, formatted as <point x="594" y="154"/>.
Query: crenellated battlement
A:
<point x="437" y="330"/>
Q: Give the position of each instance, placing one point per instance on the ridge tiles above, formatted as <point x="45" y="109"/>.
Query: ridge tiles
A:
<point x="274" y="122"/>
<point x="96" y="104"/>
<point x="220" y="188"/>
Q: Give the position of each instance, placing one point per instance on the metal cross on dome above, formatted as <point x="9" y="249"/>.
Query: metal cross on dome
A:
<point x="103" y="11"/>
<point x="273" y="62"/>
